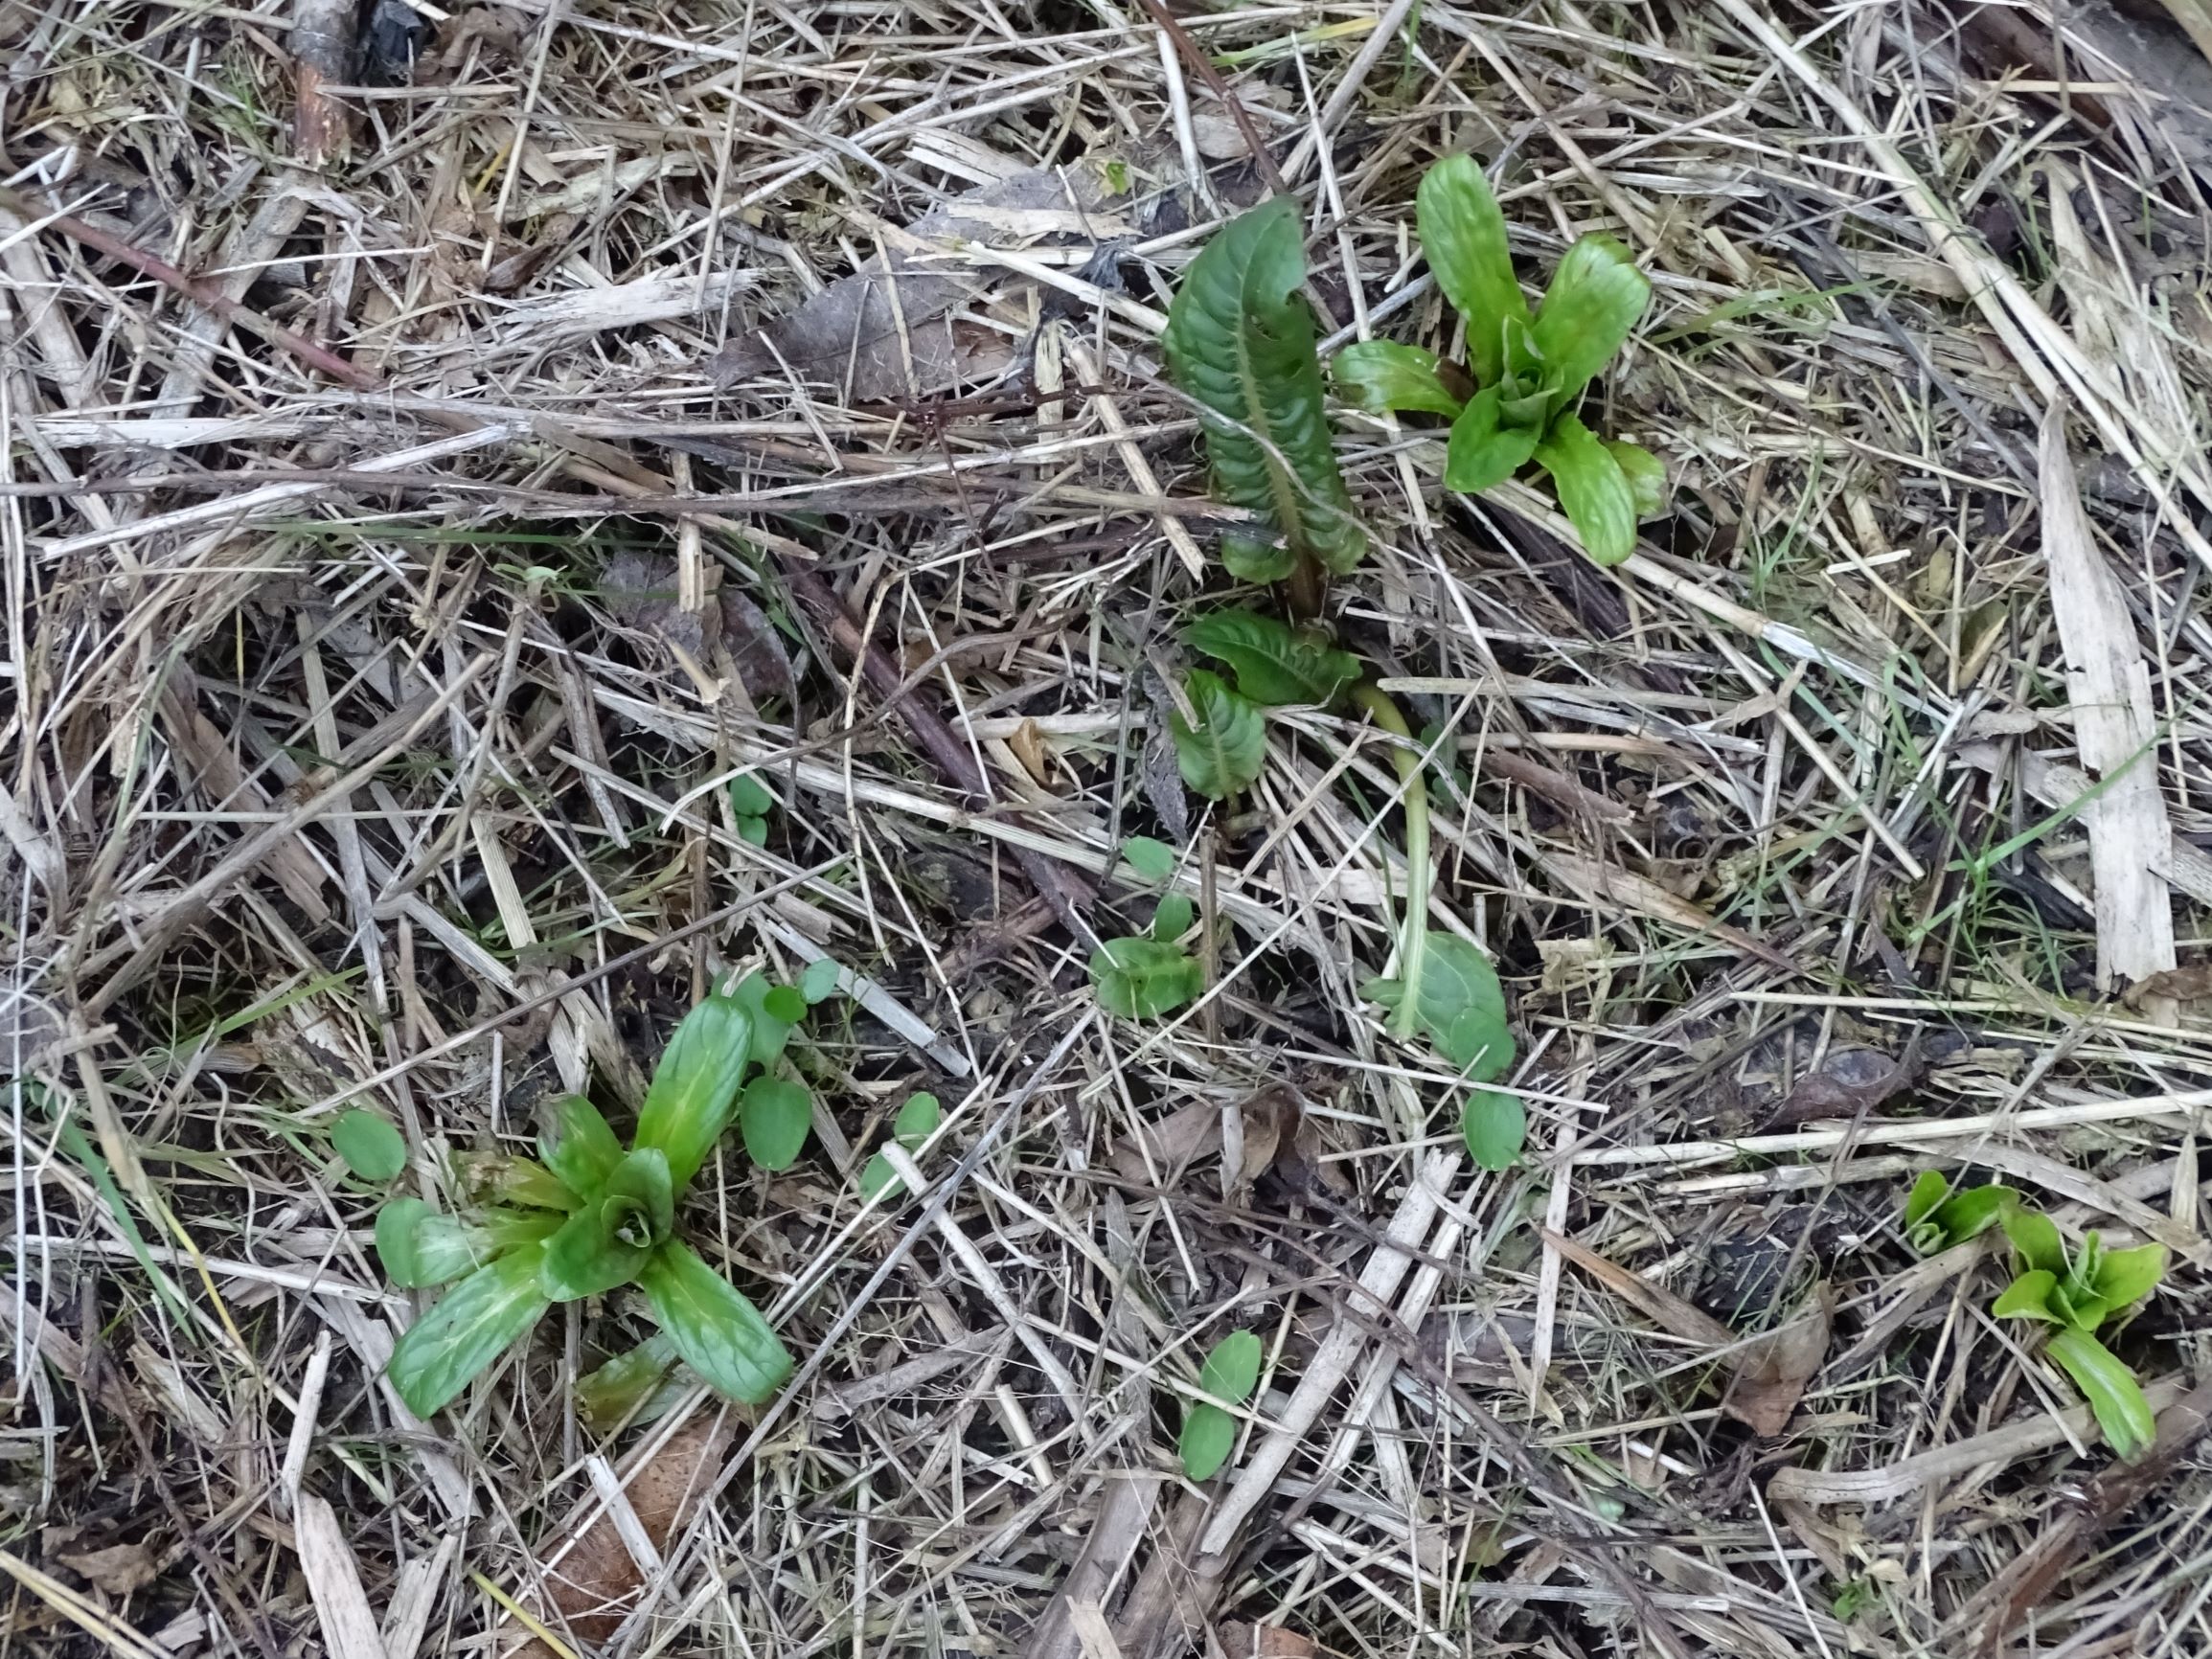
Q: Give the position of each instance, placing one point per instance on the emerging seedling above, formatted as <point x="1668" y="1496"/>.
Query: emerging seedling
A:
<point x="593" y="1216"/>
<point x="1146" y="975"/>
<point x="1529" y="371"/>
<point x="1230" y="1373"/>
<point x="2078" y="1296"/>
<point x="1936" y="1219"/>
<point x="917" y="1120"/>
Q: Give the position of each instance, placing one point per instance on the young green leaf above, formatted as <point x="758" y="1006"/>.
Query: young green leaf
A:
<point x="1152" y="860"/>
<point x="578" y="1148"/>
<point x="1171" y="918"/>
<point x="2035" y="1236"/>
<point x="1481" y="454"/>
<point x="421" y="1248"/>
<point x="2083" y="1310"/>
<point x="774" y="1009"/>
<point x="1226" y="748"/>
<point x="1647" y="476"/>
<point x="2125" y="1276"/>
<point x="818" y="980"/>
<point x="1931" y="1188"/>
<point x="1494" y="1126"/>
<point x="623" y="1389"/>
<point x="1595" y="297"/>
<point x="1462" y="1006"/>
<point x="2112" y="1390"/>
<point x="1463" y="234"/>
<point x="640" y="1196"/>
<point x="371" y="1147"/>
<point x="2028" y="1297"/>
<point x="474" y="1323"/>
<point x="749" y="798"/>
<point x="719" y="1333"/>
<point x="1209" y="1437"/>
<point x="588" y="1257"/>
<point x="1275" y="663"/>
<point x="1381" y="376"/>
<point x="2081" y="1271"/>
<point x="1143" y="979"/>
<point x="1239" y="342"/>
<point x="775" y="1116"/>
<point x="1232" y="1368"/>
<point x="1973" y="1212"/>
<point x="917" y="1120"/>
<point x="693" y="1091"/>
<point x="1593" y="492"/>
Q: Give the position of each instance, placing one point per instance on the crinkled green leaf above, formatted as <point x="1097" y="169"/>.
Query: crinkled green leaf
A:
<point x="2125" y="1276"/>
<point x="1462" y="1006"/>
<point x="421" y="1248"/>
<point x="1227" y="746"/>
<point x="1480" y="454"/>
<point x="371" y="1147"/>
<point x="1646" y="473"/>
<point x="1275" y="664"/>
<point x="471" y="1325"/>
<point x="1143" y="978"/>
<point x="719" y="1333"/>
<point x="775" y="1116"/>
<point x="1152" y="860"/>
<point x="1232" y="1368"/>
<point x="1257" y="556"/>
<point x="1593" y="492"/>
<point x="623" y="1390"/>
<point x="1463" y="234"/>
<point x="1239" y="341"/>
<point x="1381" y="376"/>
<point x="818" y="980"/>
<point x="1171" y="918"/>
<point x="2035" y="1236"/>
<point x="1494" y="1126"/>
<point x="1209" y="1437"/>
<point x="1931" y="1188"/>
<point x="693" y="1092"/>
<point x="2112" y="1390"/>
<point x="2028" y="1297"/>
<point x="1595" y="297"/>
<point x="578" y="1148"/>
<point x="588" y="1257"/>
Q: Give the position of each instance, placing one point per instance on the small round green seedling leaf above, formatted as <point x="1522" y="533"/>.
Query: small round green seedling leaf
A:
<point x="775" y="1115"/>
<point x="917" y="1120"/>
<point x="2112" y="1390"/>
<point x="878" y="1178"/>
<point x="436" y="1357"/>
<point x="768" y="1004"/>
<point x="1275" y="664"/>
<point x="371" y="1147"/>
<point x="1224" y="747"/>
<point x="1496" y="1128"/>
<point x="1209" y="1437"/>
<point x="719" y="1333"/>
<point x="818" y="980"/>
<point x="2028" y="1297"/>
<point x="578" y="1147"/>
<point x="1931" y="1188"/>
<point x="1381" y="376"/>
<point x="1172" y="918"/>
<point x="749" y="798"/>
<point x="1232" y="1368"/>
<point x="2035" y="1236"/>
<point x="1461" y="1006"/>
<point x="2125" y="1276"/>
<point x="1152" y="860"/>
<point x="785" y="1003"/>
<point x="1144" y="979"/>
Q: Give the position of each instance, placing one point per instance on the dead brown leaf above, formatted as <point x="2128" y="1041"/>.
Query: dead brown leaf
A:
<point x="2183" y="985"/>
<point x="1188" y="1133"/>
<point x="1771" y="1373"/>
<point x="1851" y="1080"/>
<point x="1242" y="1641"/>
<point x="117" y="1570"/>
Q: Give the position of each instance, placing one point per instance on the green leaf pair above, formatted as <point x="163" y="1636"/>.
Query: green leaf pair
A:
<point x="751" y="804"/>
<point x="1145" y="976"/>
<point x="2079" y="1295"/>
<point x="1461" y="1005"/>
<point x="917" y="1120"/>
<point x="1239" y="342"/>
<point x="1529" y="370"/>
<point x="591" y="1216"/>
<point x="1936" y="1219"/>
<point x="1230" y="1374"/>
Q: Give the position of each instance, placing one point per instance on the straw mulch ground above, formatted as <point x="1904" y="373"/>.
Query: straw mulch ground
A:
<point x="408" y="535"/>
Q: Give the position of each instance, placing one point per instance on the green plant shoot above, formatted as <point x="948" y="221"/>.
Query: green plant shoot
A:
<point x="1230" y="1373"/>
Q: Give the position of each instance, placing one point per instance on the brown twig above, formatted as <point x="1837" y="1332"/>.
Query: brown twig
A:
<point x="1187" y="51"/>
<point x="193" y="288"/>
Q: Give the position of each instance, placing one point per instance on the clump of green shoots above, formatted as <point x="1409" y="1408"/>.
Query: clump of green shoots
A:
<point x="591" y="1216"/>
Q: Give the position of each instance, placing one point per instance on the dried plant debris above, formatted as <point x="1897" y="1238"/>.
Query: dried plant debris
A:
<point x="520" y="519"/>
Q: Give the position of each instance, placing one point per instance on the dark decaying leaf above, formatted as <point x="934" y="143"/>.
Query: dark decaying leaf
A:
<point x="1240" y="340"/>
<point x="1852" y="1079"/>
<point x="849" y="334"/>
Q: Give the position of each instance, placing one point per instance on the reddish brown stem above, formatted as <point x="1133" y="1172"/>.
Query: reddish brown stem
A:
<point x="200" y="294"/>
<point x="1187" y="48"/>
